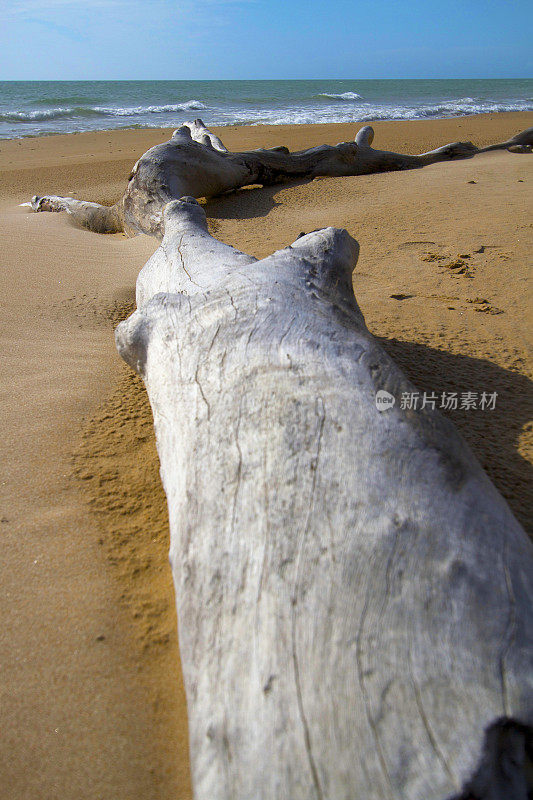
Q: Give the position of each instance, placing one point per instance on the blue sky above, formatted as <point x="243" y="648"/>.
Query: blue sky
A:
<point x="210" y="39"/>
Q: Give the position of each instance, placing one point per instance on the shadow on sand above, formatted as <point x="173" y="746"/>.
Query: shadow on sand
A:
<point x="248" y="203"/>
<point x="492" y="435"/>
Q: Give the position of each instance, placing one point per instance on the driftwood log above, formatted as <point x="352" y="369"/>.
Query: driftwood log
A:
<point x="195" y="163"/>
<point x="354" y="596"/>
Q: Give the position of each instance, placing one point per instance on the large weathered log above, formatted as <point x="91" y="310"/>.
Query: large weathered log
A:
<point x="195" y="163"/>
<point x="354" y="596"/>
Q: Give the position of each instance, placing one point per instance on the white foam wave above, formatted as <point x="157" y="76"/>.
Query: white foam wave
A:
<point x="343" y="96"/>
<point x="35" y="116"/>
<point x="69" y="118"/>
<point x="137" y="111"/>
<point x="44" y="115"/>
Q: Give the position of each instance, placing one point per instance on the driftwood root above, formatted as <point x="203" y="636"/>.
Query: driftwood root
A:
<point x="195" y="162"/>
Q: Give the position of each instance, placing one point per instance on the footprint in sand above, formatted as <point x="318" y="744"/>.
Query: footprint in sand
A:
<point x="458" y="265"/>
<point x="484" y="307"/>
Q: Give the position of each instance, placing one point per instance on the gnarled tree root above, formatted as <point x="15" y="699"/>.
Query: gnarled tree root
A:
<point x="195" y="163"/>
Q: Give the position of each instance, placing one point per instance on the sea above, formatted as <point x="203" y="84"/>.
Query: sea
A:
<point x="38" y="108"/>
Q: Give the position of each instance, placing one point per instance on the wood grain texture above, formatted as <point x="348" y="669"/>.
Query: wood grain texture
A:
<point x="353" y="594"/>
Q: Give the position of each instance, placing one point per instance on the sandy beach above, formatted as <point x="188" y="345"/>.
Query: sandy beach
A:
<point x="93" y="705"/>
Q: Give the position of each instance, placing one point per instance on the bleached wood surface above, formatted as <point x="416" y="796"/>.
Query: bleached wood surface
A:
<point x="354" y="596"/>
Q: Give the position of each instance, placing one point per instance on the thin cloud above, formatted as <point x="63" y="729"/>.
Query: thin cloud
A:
<point x="64" y="17"/>
<point x="70" y="33"/>
<point x="25" y="7"/>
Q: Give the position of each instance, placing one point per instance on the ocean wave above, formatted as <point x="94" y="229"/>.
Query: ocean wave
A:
<point x="69" y="117"/>
<point x="363" y="112"/>
<point x="49" y="114"/>
<point x="463" y="107"/>
<point x="189" y="105"/>
<point x="343" y="96"/>
<point x="82" y="112"/>
<point x="448" y="111"/>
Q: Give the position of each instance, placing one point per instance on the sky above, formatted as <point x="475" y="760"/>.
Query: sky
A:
<point x="264" y="39"/>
